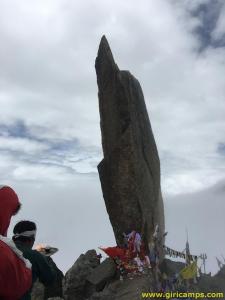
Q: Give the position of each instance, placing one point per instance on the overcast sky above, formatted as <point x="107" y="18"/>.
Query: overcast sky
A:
<point x="50" y="141"/>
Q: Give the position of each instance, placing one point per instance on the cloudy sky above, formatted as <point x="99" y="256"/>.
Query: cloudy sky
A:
<point x="50" y="141"/>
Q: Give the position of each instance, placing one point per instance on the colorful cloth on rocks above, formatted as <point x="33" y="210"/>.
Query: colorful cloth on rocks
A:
<point x="190" y="271"/>
<point x="134" y="241"/>
<point x="114" y="252"/>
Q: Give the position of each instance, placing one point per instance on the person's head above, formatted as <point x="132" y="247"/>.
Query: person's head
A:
<point x="9" y="206"/>
<point x="25" y="232"/>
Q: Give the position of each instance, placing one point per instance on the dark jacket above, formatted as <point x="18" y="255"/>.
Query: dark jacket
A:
<point x="55" y="289"/>
<point x="40" y="268"/>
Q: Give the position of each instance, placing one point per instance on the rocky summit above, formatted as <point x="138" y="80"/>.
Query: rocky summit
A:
<point x="88" y="279"/>
<point x="130" y="170"/>
<point x="130" y="180"/>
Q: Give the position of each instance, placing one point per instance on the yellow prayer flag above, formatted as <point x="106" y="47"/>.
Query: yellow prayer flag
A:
<point x="190" y="271"/>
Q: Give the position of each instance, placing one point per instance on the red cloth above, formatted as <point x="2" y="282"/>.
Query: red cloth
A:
<point x="114" y="252"/>
<point x="8" y="205"/>
<point x="15" y="277"/>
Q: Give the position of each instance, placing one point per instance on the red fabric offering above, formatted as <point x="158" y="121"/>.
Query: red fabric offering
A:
<point x="114" y="252"/>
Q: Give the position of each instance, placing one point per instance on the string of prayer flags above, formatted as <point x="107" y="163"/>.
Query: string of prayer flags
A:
<point x="175" y="253"/>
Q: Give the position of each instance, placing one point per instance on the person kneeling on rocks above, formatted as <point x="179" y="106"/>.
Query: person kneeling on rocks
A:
<point x="24" y="237"/>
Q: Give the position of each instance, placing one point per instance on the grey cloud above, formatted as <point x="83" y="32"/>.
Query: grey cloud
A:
<point x="198" y="211"/>
<point x="221" y="149"/>
<point x="208" y="13"/>
<point x="48" y="76"/>
<point x="34" y="151"/>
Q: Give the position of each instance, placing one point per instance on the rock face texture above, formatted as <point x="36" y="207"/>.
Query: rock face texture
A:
<point x="215" y="283"/>
<point x="75" y="281"/>
<point x="88" y="279"/>
<point x="130" y="170"/>
<point x="102" y="274"/>
<point x="171" y="267"/>
<point x="126" y="289"/>
<point x="38" y="291"/>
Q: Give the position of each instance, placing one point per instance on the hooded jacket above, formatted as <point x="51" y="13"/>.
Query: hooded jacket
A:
<point x="15" y="271"/>
<point x="8" y="204"/>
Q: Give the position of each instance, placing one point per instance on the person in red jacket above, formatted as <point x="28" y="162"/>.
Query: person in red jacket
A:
<point x="9" y="206"/>
<point x="15" y="270"/>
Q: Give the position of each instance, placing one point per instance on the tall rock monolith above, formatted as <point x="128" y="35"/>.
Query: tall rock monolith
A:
<point x="130" y="170"/>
